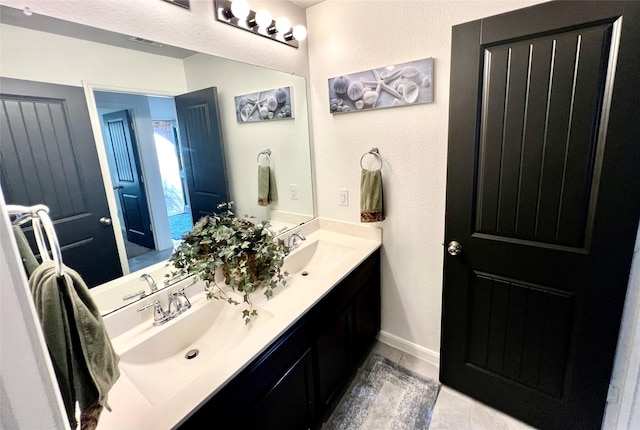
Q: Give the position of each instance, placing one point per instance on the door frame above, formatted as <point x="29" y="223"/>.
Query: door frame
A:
<point x="158" y="220"/>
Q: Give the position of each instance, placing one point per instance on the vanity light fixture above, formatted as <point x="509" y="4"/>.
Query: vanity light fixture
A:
<point x="238" y="13"/>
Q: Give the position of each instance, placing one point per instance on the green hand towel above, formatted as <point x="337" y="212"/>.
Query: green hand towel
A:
<point x="26" y="253"/>
<point x="83" y="358"/>
<point x="371" y="203"/>
<point x="267" y="192"/>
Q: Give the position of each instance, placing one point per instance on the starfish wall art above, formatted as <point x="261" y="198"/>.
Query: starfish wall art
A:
<point x="398" y="85"/>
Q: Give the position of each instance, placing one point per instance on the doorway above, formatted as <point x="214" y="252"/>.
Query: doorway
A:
<point x="143" y="156"/>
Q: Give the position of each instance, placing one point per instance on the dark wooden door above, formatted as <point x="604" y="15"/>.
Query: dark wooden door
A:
<point x="202" y="151"/>
<point x="127" y="178"/>
<point x="543" y="194"/>
<point x="49" y="157"/>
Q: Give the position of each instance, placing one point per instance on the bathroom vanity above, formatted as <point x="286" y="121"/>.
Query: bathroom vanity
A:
<point x="285" y="370"/>
<point x="300" y="377"/>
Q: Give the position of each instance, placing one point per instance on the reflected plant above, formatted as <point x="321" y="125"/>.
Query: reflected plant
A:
<point x="248" y="255"/>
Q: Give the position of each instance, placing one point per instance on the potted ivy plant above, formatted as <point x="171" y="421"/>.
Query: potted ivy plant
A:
<point x="248" y="255"/>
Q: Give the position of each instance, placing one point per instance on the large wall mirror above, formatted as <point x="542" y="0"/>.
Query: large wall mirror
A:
<point x="115" y="95"/>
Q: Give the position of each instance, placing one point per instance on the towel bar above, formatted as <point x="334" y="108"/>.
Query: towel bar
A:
<point x="39" y="216"/>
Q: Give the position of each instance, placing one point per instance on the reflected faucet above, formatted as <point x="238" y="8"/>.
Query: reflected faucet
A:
<point x="150" y="281"/>
<point x="294" y="240"/>
<point x="178" y="304"/>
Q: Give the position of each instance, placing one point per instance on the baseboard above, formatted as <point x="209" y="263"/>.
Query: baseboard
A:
<point x="427" y="355"/>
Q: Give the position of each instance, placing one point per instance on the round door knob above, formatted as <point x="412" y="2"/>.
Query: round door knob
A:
<point x="105" y="220"/>
<point x="454" y="248"/>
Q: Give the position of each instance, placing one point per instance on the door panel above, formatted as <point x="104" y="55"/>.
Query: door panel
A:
<point x="543" y="193"/>
<point x="49" y="157"/>
<point x="127" y="178"/>
<point x="537" y="187"/>
<point x="202" y="151"/>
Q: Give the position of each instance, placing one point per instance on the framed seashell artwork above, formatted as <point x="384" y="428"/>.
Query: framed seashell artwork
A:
<point x="265" y="105"/>
<point x="391" y="86"/>
<point x="181" y="3"/>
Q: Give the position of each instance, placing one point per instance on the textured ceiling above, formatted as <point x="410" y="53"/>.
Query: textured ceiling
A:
<point x="305" y="3"/>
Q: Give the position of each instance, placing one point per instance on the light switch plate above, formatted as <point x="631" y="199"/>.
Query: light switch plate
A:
<point x="343" y="197"/>
<point x="293" y="191"/>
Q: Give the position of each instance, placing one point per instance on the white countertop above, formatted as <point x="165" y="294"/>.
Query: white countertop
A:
<point x="132" y="410"/>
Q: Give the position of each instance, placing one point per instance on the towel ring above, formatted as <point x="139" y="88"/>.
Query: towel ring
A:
<point x="375" y="153"/>
<point x="266" y="153"/>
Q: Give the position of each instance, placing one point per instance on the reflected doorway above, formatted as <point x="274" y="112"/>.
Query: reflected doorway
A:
<point x="153" y="148"/>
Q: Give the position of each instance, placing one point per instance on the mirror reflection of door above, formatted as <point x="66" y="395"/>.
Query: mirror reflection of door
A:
<point x="127" y="179"/>
<point x="49" y="157"/>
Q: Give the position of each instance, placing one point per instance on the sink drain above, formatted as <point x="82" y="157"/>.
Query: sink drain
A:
<point x="305" y="273"/>
<point x="192" y="354"/>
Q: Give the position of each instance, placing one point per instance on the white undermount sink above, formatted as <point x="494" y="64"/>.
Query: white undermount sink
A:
<point x="162" y="360"/>
<point x="315" y="258"/>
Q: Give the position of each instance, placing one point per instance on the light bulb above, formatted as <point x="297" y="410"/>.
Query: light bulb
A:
<point x="240" y="9"/>
<point x="283" y="24"/>
<point x="299" y="32"/>
<point x="27" y="11"/>
<point x="263" y="18"/>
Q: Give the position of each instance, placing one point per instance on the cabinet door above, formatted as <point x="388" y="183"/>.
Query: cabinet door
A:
<point x="366" y="318"/>
<point x="289" y="403"/>
<point x="334" y="356"/>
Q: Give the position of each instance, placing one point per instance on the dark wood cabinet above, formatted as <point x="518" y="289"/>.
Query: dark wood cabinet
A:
<point x="346" y="323"/>
<point x="290" y="403"/>
<point x="297" y="381"/>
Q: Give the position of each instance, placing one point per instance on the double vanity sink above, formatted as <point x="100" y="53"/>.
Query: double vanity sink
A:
<point x="170" y="370"/>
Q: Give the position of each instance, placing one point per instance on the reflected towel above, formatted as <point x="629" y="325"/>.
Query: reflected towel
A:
<point x="83" y="358"/>
<point x="267" y="192"/>
<point x="26" y="253"/>
<point x="371" y="203"/>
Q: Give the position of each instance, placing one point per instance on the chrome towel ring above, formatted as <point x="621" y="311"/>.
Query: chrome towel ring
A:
<point x="375" y="153"/>
<point x="266" y="153"/>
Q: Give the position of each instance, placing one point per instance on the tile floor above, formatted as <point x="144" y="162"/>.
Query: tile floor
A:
<point x="454" y="410"/>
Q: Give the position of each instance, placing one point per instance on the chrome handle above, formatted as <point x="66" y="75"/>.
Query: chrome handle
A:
<point x="154" y="304"/>
<point x="140" y="294"/>
<point x="454" y="248"/>
<point x="105" y="220"/>
<point x="118" y="187"/>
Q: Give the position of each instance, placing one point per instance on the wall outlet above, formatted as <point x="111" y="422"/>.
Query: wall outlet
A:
<point x="343" y="197"/>
<point x="293" y="191"/>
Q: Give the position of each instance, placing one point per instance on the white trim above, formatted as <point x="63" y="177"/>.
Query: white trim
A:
<point x="425" y="354"/>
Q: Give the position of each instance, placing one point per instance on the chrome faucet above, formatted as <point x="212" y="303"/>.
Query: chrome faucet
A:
<point x="294" y="240"/>
<point x="178" y="304"/>
<point x="150" y="281"/>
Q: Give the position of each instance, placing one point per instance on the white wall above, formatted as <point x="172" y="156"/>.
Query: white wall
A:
<point x="38" y="57"/>
<point x="352" y="36"/>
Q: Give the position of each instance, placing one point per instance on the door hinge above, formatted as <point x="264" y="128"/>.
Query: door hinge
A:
<point x="613" y="394"/>
<point x="142" y="178"/>
<point x="150" y="227"/>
